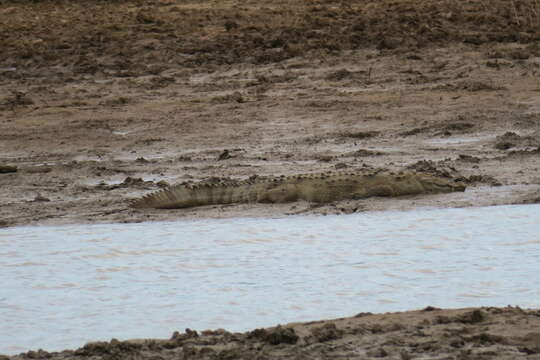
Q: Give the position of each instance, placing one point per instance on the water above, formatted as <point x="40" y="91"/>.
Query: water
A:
<point x="67" y="285"/>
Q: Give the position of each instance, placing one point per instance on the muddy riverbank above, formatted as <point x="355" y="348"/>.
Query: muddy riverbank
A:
<point x="108" y="101"/>
<point x="431" y="333"/>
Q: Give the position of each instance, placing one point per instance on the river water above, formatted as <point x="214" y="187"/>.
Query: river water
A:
<point x="67" y="285"/>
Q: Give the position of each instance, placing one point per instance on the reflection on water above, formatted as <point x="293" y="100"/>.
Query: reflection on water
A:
<point x="64" y="286"/>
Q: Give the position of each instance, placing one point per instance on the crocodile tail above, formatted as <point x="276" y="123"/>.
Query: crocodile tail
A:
<point x="172" y="197"/>
<point x="184" y="196"/>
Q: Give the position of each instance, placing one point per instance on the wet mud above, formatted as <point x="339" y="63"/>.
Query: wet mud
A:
<point x="102" y="102"/>
<point x="431" y="333"/>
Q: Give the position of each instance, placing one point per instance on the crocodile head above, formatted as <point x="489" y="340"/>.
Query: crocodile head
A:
<point x="437" y="185"/>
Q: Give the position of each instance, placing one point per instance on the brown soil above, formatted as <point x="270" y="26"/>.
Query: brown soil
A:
<point x="483" y="333"/>
<point x="103" y="101"/>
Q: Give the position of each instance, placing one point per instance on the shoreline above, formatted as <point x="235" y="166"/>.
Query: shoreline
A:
<point x="279" y="211"/>
<point x="432" y="333"/>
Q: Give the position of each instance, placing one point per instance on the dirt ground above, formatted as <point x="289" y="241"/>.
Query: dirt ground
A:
<point x="463" y="334"/>
<point x="101" y="102"/>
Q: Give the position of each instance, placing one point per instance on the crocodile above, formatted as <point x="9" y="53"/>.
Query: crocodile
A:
<point x="317" y="188"/>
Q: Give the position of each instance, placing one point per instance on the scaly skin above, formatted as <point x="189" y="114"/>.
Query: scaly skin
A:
<point x="318" y="188"/>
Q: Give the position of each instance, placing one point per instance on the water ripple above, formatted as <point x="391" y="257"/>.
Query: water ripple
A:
<point x="148" y="279"/>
